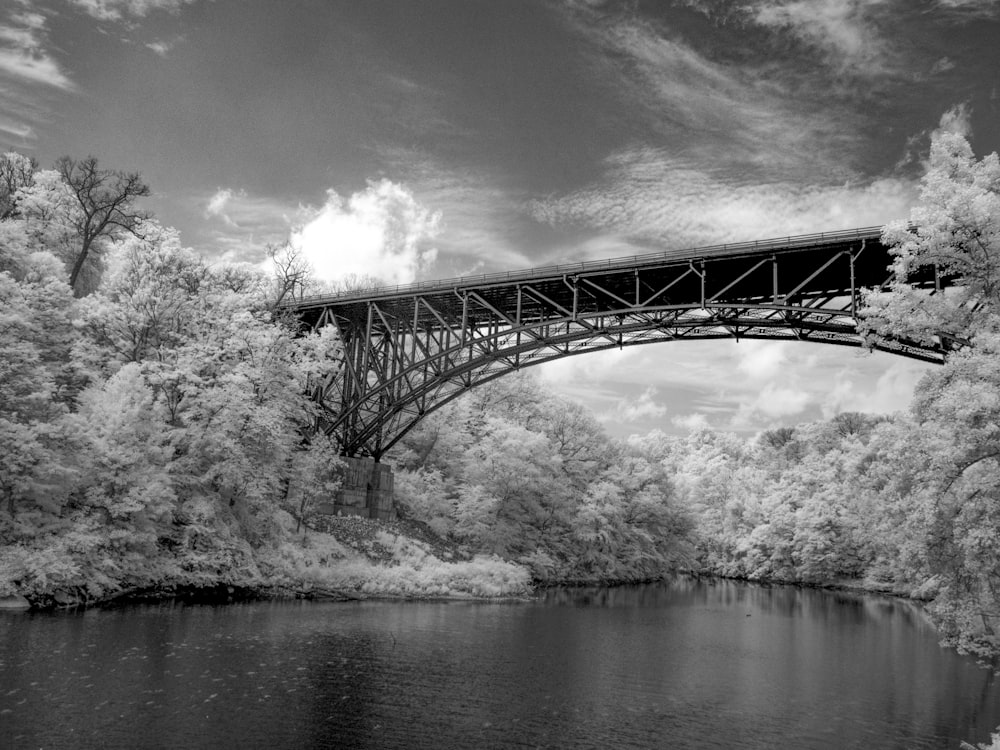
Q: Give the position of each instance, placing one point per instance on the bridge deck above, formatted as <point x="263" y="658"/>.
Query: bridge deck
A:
<point x="791" y="244"/>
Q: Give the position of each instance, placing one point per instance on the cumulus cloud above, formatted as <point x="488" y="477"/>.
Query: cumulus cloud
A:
<point x="642" y="407"/>
<point x="958" y="120"/>
<point x="216" y="206"/>
<point x="691" y="422"/>
<point x="762" y="360"/>
<point x="381" y="231"/>
<point x="891" y="393"/>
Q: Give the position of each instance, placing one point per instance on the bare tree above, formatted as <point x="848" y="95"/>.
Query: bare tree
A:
<point x="356" y="282"/>
<point x="291" y="271"/>
<point x="16" y="171"/>
<point x="107" y="204"/>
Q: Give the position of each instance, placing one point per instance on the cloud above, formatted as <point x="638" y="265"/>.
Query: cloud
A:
<point x="691" y="422"/>
<point x="23" y="56"/>
<point x="746" y="386"/>
<point x="759" y="119"/>
<point x="249" y="223"/>
<point x="892" y="391"/>
<point x="17" y="129"/>
<point x="642" y="407"/>
<point x="381" y="231"/>
<point x="762" y="360"/>
<point x="942" y="66"/>
<point x="957" y="120"/>
<point x="217" y="205"/>
<point x="973" y="8"/>
<point x="117" y="10"/>
<point x="650" y="199"/>
<point x="162" y="47"/>
<point x="778" y="401"/>
<point x="843" y="31"/>
<point x="481" y="216"/>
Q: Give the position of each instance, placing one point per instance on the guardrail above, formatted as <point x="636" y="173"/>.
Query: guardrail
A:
<point x="588" y="266"/>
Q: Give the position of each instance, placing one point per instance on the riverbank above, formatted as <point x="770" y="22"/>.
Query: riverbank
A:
<point x="351" y="558"/>
<point x="923" y="593"/>
<point x="335" y="558"/>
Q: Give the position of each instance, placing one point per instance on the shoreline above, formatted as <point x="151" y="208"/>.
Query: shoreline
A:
<point x="223" y="593"/>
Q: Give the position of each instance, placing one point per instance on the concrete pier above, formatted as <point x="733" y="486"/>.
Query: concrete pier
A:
<point x="366" y="491"/>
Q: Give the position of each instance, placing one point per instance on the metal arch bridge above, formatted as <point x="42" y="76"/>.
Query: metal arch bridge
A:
<point x="411" y="349"/>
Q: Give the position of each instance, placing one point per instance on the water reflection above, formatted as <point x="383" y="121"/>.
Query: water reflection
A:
<point x="682" y="664"/>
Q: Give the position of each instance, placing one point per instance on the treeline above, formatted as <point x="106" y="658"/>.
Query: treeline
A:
<point x="154" y="416"/>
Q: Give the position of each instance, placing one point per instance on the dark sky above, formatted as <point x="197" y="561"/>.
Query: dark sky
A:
<point x="433" y="138"/>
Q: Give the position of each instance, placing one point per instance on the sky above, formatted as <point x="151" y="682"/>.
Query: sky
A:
<point x="422" y="139"/>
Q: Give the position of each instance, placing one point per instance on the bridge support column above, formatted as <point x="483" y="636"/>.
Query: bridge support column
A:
<point x="366" y="491"/>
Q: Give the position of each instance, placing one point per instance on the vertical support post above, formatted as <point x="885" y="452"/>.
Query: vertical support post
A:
<point x="367" y="343"/>
<point x="416" y="321"/>
<point x="854" y="290"/>
<point x="636" y="272"/>
<point x="774" y="280"/>
<point x="465" y="318"/>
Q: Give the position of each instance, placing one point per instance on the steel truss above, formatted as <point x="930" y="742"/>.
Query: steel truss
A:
<point x="410" y="350"/>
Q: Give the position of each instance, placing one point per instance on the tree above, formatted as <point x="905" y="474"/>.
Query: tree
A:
<point x="953" y="492"/>
<point x="956" y="232"/>
<point x="16" y="171"/>
<point x="106" y="199"/>
<point x="292" y="271"/>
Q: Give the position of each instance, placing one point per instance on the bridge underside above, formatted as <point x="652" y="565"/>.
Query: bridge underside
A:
<point x="409" y="350"/>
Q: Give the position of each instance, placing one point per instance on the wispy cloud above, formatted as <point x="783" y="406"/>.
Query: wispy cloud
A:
<point x="748" y="116"/>
<point x="755" y="149"/>
<point x="163" y="47"/>
<point x="24" y="58"/>
<point x="973" y="8"/>
<point x="117" y="10"/>
<point x="29" y="75"/>
<point x="240" y="226"/>
<point x="844" y="32"/>
<point x="19" y="130"/>
<point x="647" y="198"/>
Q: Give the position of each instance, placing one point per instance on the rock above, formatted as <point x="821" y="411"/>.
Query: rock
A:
<point x="64" y="599"/>
<point x="14" y="602"/>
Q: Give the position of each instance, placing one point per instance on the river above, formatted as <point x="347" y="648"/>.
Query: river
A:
<point x="688" y="664"/>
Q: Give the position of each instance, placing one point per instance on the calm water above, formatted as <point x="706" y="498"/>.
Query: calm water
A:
<point x="689" y="664"/>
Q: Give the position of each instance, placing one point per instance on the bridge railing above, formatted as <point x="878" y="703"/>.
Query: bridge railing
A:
<point x="560" y="269"/>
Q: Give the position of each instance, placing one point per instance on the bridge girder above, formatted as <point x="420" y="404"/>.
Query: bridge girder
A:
<point x="410" y="350"/>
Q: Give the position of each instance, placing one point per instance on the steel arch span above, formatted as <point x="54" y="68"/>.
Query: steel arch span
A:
<point x="411" y="349"/>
